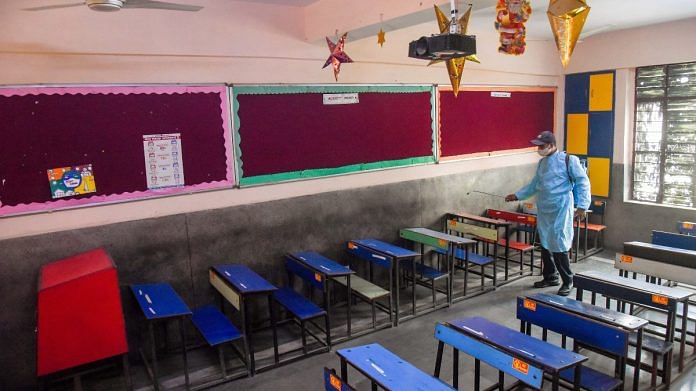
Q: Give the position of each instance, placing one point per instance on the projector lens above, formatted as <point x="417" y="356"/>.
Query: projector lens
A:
<point x="422" y="46"/>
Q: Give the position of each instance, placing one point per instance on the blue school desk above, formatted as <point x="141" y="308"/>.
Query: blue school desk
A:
<point x="387" y="255"/>
<point x="442" y="241"/>
<point x="159" y="302"/>
<point x="642" y="293"/>
<point x="238" y="284"/>
<point x="627" y="322"/>
<point x="326" y="269"/>
<point x="387" y="370"/>
<point x="549" y="358"/>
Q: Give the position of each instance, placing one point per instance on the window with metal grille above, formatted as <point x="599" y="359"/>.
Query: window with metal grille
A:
<point x="664" y="158"/>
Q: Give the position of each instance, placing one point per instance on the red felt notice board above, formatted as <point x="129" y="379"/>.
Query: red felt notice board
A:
<point x="478" y="122"/>
<point x="50" y="127"/>
<point x="290" y="132"/>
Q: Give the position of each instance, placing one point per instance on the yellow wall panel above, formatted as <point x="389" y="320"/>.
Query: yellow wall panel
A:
<point x="577" y="134"/>
<point x="602" y="92"/>
<point x="598" y="170"/>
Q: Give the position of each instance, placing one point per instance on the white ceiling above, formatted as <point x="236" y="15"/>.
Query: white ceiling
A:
<point x="605" y="15"/>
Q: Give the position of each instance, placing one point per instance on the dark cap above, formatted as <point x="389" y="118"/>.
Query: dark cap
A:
<point x="544" y="137"/>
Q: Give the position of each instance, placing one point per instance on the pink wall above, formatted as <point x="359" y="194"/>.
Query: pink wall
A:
<point x="234" y="42"/>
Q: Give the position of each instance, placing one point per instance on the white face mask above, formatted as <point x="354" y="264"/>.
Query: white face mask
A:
<point x="546" y="151"/>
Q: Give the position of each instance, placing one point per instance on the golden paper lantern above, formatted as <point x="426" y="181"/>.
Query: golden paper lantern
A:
<point x="567" y="18"/>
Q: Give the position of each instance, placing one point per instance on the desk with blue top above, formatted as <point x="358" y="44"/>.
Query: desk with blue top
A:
<point x="159" y="302"/>
<point x="442" y="241"/>
<point x="238" y="284"/>
<point x="527" y="350"/>
<point x="389" y="256"/>
<point x="326" y="269"/>
<point x="387" y="370"/>
<point x="638" y="292"/>
<point x="627" y="322"/>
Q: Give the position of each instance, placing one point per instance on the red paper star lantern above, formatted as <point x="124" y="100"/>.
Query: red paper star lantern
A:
<point x="337" y="55"/>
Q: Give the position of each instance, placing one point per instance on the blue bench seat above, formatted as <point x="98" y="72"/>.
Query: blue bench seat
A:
<point x="651" y="344"/>
<point x="428" y="272"/>
<point x="300" y="306"/>
<point x="214" y="326"/>
<point x="474" y="258"/>
<point x="591" y="379"/>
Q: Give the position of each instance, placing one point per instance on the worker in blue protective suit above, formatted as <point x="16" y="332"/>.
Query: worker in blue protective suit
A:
<point x="563" y="191"/>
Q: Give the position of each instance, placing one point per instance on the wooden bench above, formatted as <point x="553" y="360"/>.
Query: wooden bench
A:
<point x="301" y="308"/>
<point x="217" y="330"/>
<point x="527" y="223"/>
<point x="389" y="257"/>
<point x="601" y="337"/>
<point x="468" y="257"/>
<point x="386" y="370"/>
<point x="367" y="291"/>
<point x="597" y="208"/>
<point x="435" y="240"/>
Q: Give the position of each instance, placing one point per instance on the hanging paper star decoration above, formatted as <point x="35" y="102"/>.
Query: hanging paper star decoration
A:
<point x="337" y="55"/>
<point x="567" y="17"/>
<point x="380" y="37"/>
<point x="455" y="66"/>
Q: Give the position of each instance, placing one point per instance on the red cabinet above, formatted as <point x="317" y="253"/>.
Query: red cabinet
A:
<point x="80" y="317"/>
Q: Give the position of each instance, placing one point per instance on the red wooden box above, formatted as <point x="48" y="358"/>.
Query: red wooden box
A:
<point x="80" y="318"/>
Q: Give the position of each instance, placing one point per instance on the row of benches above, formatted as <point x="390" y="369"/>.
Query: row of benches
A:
<point x="512" y="353"/>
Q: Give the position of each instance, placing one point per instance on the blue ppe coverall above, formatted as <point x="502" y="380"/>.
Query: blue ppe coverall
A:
<point x="557" y="198"/>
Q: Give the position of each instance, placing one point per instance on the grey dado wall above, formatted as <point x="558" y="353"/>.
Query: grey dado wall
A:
<point x="627" y="221"/>
<point x="179" y="249"/>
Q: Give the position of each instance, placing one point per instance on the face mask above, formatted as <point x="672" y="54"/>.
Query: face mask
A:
<point x="546" y="151"/>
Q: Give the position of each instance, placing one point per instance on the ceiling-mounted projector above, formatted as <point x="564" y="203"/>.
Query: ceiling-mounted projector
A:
<point x="442" y="47"/>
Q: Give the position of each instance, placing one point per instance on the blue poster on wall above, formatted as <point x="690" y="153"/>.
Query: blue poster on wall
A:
<point x="71" y="181"/>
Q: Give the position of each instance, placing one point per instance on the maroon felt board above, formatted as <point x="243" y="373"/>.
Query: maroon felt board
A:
<point x="290" y="135"/>
<point x="51" y="127"/>
<point x="477" y="122"/>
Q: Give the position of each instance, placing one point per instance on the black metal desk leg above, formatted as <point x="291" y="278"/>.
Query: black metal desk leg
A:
<point x="397" y="277"/>
<point x="684" y="334"/>
<point x="455" y="367"/>
<point x="576" y="380"/>
<point x="413" y="287"/>
<point x="438" y="358"/>
<point x="271" y="310"/>
<point x="183" y="348"/>
<point x="247" y="333"/>
<point x="349" y="303"/>
<point x="344" y="370"/>
<point x="636" y="369"/>
<point x="155" y="378"/>
<point x="477" y="374"/>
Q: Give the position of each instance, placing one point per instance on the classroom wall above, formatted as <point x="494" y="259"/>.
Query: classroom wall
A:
<point x="625" y="50"/>
<point x="179" y="248"/>
<point x="234" y="42"/>
<point x="175" y="239"/>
